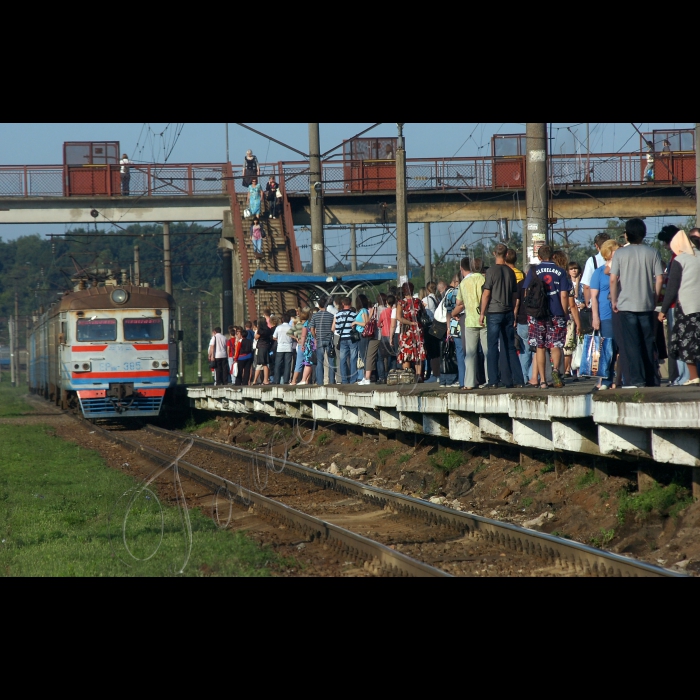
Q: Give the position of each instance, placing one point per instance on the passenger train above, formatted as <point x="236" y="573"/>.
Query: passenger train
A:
<point x="109" y="349"/>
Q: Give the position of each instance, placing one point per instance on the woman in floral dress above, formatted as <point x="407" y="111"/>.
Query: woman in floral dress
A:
<point x="411" y="340"/>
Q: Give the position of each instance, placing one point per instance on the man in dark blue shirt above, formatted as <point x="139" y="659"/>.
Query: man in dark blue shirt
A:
<point x="549" y="333"/>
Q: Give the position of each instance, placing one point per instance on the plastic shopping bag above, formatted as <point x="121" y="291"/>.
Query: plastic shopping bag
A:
<point x="597" y="356"/>
<point x="578" y="353"/>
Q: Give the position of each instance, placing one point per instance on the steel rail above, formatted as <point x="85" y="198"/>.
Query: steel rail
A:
<point x="567" y="554"/>
<point x="377" y="557"/>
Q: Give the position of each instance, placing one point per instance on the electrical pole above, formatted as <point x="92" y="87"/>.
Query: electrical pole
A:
<point x="401" y="214"/>
<point x="26" y="323"/>
<point x="10" y="327"/>
<point x="137" y="266"/>
<point x="428" y="247"/>
<point x="199" y="341"/>
<point x="535" y="231"/>
<point x="353" y="257"/>
<point x="17" y="362"/>
<point x="166" y="258"/>
<point x="318" y="255"/>
<point x="588" y="153"/>
<point x="227" y="301"/>
<point x="228" y="160"/>
<point x="180" y="365"/>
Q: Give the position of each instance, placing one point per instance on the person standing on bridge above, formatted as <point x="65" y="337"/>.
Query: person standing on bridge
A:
<point x="271" y="190"/>
<point x="251" y="168"/>
<point x="256" y="237"/>
<point x="125" y="174"/>
<point x="219" y="356"/>
<point x="254" y="197"/>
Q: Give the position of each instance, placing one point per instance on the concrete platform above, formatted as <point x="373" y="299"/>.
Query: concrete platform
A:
<point x="661" y="424"/>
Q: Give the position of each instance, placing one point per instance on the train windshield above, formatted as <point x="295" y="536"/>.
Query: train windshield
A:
<point x="143" y="329"/>
<point x="97" y="329"/>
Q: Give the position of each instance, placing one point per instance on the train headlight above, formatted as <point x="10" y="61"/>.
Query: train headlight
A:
<point x="119" y="296"/>
<point x="156" y="364"/>
<point x="163" y="364"/>
<point x="86" y="365"/>
<point x="76" y="366"/>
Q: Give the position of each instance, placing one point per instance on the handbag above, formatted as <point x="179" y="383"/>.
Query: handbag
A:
<point x="440" y="314"/>
<point x="246" y="213"/>
<point x="597" y="356"/>
<point x="370" y="329"/>
<point x="438" y="330"/>
<point x="278" y="194"/>
<point x="586" y="316"/>
<point x="331" y="350"/>
<point x="578" y="354"/>
<point x="355" y="335"/>
<point x="448" y="361"/>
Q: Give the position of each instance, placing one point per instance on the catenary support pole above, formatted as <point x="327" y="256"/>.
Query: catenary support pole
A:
<point x="353" y="257"/>
<point x="401" y="213"/>
<point x="227" y="276"/>
<point x="428" y="247"/>
<point x="199" y="341"/>
<point x="535" y="191"/>
<point x="10" y="327"/>
<point x="180" y="359"/>
<point x="137" y="266"/>
<point x="318" y="253"/>
<point x="167" y="272"/>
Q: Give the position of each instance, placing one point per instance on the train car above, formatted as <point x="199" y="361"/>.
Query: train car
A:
<point x="109" y="349"/>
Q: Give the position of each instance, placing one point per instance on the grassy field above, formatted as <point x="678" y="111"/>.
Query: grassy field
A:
<point x="12" y="403"/>
<point x="64" y="512"/>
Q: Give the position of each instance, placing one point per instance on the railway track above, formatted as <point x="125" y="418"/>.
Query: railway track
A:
<point x="483" y="538"/>
<point x="424" y="527"/>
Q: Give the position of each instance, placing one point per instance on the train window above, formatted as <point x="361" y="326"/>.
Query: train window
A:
<point x="97" y="329"/>
<point x="143" y="329"/>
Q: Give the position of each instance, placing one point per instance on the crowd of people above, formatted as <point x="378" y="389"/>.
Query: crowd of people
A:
<point x="492" y="327"/>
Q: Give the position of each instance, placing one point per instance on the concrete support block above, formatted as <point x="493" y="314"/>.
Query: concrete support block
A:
<point x="533" y="433"/>
<point x="696" y="483"/>
<point x="390" y="419"/>
<point x="434" y="403"/>
<point x="357" y="399"/>
<point x="320" y="410"/>
<point x="263" y="407"/>
<point x="496" y="427"/>
<point x="335" y="412"/>
<point x="349" y="415"/>
<point x="305" y="408"/>
<point x="464" y="427"/>
<point x="676" y="447"/>
<point x="490" y="403"/>
<point x="411" y="422"/>
<point x="569" y="407"/>
<point x="530" y="408"/>
<point x="369" y="418"/>
<point x="293" y="410"/>
<point x="646" y="414"/>
<point x="436" y="424"/>
<point x="408" y="403"/>
<point x="280" y="407"/>
<point x="635" y="442"/>
<point x="385" y="399"/>
<point x="575" y="435"/>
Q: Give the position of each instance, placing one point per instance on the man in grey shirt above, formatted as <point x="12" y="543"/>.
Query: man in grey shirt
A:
<point x="636" y="275"/>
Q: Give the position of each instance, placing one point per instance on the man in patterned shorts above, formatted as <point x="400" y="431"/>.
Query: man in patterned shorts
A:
<point x="549" y="333"/>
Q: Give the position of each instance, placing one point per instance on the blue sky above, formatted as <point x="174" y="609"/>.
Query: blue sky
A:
<point x="42" y="144"/>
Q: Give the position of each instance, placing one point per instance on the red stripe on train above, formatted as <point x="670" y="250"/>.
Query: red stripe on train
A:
<point x="101" y="393"/>
<point x="151" y="347"/>
<point x="88" y="348"/>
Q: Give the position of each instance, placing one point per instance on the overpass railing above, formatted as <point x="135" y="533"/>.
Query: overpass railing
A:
<point x="483" y="173"/>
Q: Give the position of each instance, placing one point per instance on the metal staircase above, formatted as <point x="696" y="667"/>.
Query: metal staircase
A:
<point x="280" y="252"/>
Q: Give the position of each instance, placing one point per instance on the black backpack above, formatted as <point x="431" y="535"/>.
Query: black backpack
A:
<point x="535" y="300"/>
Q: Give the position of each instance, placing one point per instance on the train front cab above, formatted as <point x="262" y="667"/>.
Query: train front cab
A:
<point x="118" y="367"/>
